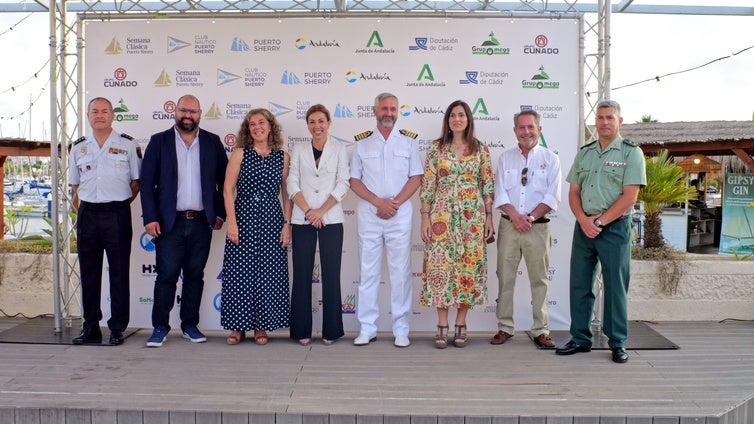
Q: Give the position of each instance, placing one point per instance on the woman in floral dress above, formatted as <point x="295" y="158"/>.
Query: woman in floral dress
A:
<point x="456" y="220"/>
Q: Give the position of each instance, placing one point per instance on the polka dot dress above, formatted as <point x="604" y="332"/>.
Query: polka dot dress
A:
<point x="255" y="272"/>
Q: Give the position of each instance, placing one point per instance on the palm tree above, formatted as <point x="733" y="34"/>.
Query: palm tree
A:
<point x="666" y="184"/>
<point x="646" y="119"/>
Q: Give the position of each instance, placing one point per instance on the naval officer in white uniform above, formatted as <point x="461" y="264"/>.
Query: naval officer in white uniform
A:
<point x="385" y="172"/>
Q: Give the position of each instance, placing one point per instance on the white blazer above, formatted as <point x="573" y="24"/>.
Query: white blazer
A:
<point x="317" y="183"/>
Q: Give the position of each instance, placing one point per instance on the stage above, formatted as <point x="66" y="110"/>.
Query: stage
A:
<point x="708" y="379"/>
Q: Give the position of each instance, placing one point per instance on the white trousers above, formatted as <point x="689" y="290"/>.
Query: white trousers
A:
<point x="395" y="236"/>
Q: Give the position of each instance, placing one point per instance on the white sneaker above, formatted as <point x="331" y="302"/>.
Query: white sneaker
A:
<point x="401" y="341"/>
<point x="363" y="339"/>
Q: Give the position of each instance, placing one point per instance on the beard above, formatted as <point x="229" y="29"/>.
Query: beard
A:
<point x="387" y="121"/>
<point x="186" y="124"/>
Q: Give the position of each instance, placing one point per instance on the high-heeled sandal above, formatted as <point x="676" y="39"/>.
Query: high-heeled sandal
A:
<point x="235" y="337"/>
<point x="441" y="338"/>
<point x="305" y="341"/>
<point x="460" y="337"/>
<point x="260" y="337"/>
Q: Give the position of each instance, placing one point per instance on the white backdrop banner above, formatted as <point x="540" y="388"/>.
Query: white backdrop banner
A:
<point x="498" y="66"/>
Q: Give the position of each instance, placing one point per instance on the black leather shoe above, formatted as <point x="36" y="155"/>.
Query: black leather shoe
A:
<point x="619" y="355"/>
<point x="88" y="336"/>
<point x="572" y="347"/>
<point x="116" y="338"/>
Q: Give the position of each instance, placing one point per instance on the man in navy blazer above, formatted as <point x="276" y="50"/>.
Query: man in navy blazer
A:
<point x="183" y="172"/>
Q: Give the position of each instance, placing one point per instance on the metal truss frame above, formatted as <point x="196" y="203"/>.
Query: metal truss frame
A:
<point x="66" y="68"/>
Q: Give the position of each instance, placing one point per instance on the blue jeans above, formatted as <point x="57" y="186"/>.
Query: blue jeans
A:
<point x="185" y="248"/>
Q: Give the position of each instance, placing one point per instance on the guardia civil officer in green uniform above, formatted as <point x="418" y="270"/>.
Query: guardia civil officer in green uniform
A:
<point x="605" y="180"/>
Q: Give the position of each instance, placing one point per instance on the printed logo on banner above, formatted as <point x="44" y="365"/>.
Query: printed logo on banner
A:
<point x="545" y="111"/>
<point x="175" y="44"/>
<point x="277" y="109"/>
<point x="122" y="112"/>
<point x="133" y="46"/>
<point x="352" y="76"/>
<point x="289" y="78"/>
<point x="119" y="79"/>
<point x="317" y="78"/>
<point x="239" y="45"/>
<point x="267" y="44"/>
<point x="342" y="111"/>
<point x="491" y="47"/>
<point x="167" y="112"/>
<point x="349" y="304"/>
<point x="540" y="80"/>
<point x="230" y="142"/>
<point x="253" y="77"/>
<point x="224" y="77"/>
<point x="203" y="44"/>
<point x="302" y="43"/>
<point x="484" y="78"/>
<point x="146" y="242"/>
<point x="365" y="111"/>
<point x="405" y="110"/>
<point x="480" y="111"/>
<point x="428" y="110"/>
<point x="471" y="78"/>
<point x="425" y="79"/>
<point x="540" y="46"/>
<point x="163" y="80"/>
<point x="217" y="301"/>
<point x="433" y="44"/>
<point x="214" y="112"/>
<point x="301" y="107"/>
<point x="188" y="78"/>
<point x="375" y="45"/>
<point x="114" y="47"/>
<point x="236" y="110"/>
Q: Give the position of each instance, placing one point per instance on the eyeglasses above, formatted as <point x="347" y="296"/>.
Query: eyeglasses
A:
<point x="191" y="111"/>
<point x="524" y="178"/>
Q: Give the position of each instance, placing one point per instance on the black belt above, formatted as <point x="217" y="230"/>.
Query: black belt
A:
<point x="540" y="220"/>
<point x="106" y="206"/>
<point x="189" y="214"/>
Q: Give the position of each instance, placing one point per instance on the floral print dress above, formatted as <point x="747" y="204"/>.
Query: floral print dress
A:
<point x="455" y="260"/>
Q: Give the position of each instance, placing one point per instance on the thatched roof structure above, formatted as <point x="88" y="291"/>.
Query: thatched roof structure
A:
<point x="710" y="138"/>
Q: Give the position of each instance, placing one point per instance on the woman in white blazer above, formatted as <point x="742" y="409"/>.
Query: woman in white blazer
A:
<point x="317" y="183"/>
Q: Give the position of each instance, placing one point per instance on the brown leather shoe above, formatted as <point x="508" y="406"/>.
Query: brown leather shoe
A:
<point x="544" y="340"/>
<point x="500" y="337"/>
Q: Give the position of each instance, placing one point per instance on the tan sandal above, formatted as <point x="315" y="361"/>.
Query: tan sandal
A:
<point x="441" y="338"/>
<point x="260" y="337"/>
<point x="460" y="337"/>
<point x="235" y="337"/>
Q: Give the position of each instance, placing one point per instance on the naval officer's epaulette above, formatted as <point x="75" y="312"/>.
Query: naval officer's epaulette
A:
<point x="124" y="135"/>
<point x="588" y="144"/>
<point x="630" y="143"/>
<point x="408" y="133"/>
<point x="362" y="136"/>
<point x="82" y="138"/>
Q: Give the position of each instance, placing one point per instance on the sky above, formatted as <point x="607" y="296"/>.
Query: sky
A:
<point x="643" y="46"/>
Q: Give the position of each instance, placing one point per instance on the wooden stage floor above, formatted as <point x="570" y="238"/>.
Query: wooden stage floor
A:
<point x="709" y="379"/>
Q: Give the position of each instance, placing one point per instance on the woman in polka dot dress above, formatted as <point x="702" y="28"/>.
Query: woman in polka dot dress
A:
<point x="255" y="267"/>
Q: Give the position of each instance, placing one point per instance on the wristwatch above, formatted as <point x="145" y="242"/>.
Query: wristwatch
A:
<point x="598" y="223"/>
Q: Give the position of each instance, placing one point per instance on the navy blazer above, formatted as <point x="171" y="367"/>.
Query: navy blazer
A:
<point x="158" y="181"/>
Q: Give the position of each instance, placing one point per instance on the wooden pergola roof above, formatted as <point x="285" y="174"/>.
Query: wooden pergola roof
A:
<point x="709" y="138"/>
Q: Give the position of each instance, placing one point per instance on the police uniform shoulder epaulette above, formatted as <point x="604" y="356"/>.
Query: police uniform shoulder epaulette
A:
<point x="408" y="133"/>
<point x="587" y="144"/>
<point x="126" y="136"/>
<point x="79" y="140"/>
<point x="362" y="136"/>
<point x="630" y="143"/>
